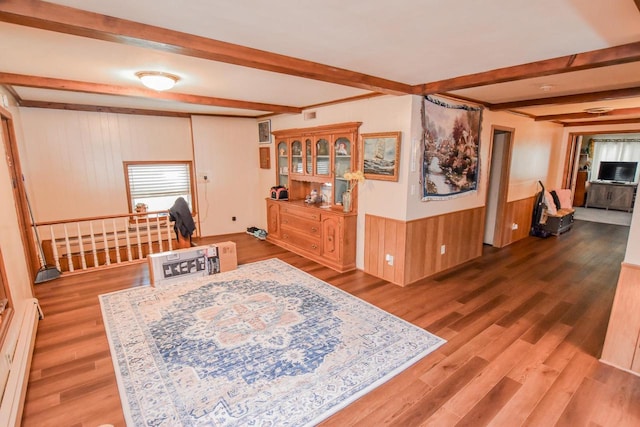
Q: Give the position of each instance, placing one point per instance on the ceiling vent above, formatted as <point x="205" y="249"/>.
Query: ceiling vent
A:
<point x="310" y="115"/>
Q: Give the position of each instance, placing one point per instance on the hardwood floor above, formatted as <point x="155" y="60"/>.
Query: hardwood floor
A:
<point x="525" y="326"/>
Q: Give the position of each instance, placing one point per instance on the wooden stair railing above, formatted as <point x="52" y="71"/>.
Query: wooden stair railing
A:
<point x="87" y="244"/>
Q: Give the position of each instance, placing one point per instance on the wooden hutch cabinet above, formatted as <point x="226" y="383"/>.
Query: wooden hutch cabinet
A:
<point x="315" y="160"/>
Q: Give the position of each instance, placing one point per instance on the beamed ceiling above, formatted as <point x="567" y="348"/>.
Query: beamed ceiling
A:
<point x="572" y="62"/>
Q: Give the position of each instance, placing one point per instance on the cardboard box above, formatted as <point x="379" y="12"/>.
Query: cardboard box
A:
<point x="228" y="256"/>
<point x="198" y="261"/>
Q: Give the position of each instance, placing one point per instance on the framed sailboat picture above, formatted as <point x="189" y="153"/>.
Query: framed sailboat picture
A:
<point x="381" y="155"/>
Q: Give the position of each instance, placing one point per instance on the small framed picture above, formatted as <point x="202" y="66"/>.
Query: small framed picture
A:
<point x="381" y="155"/>
<point x="264" y="132"/>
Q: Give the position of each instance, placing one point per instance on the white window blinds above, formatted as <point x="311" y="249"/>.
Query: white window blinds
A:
<point x="158" y="183"/>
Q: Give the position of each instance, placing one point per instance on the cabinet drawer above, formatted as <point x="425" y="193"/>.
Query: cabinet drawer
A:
<point x="300" y="212"/>
<point x="301" y="241"/>
<point x="290" y="222"/>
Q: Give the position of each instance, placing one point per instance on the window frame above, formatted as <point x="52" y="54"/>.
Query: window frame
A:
<point x="188" y="163"/>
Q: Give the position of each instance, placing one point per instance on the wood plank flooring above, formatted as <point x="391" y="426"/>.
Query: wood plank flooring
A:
<point x="525" y="327"/>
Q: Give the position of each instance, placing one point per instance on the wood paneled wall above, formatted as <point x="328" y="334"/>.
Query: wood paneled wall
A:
<point x="73" y="160"/>
<point x="622" y="343"/>
<point x="516" y="212"/>
<point x="385" y="236"/>
<point x="416" y="245"/>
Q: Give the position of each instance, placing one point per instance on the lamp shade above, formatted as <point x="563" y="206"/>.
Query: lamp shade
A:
<point x="157" y="80"/>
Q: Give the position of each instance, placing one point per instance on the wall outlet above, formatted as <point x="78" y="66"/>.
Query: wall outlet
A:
<point x="514" y="226"/>
<point x="443" y="249"/>
<point x="203" y="177"/>
<point x="389" y="259"/>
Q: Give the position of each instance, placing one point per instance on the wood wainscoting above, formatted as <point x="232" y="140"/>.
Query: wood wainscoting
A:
<point x="622" y="343"/>
<point x="422" y="247"/>
<point x="517" y="212"/>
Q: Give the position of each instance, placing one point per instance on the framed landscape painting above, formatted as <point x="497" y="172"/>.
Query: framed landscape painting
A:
<point x="381" y="155"/>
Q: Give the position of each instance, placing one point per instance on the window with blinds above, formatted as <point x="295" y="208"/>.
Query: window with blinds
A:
<point x="156" y="186"/>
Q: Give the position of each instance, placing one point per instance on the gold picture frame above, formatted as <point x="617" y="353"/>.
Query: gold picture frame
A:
<point x="381" y="155"/>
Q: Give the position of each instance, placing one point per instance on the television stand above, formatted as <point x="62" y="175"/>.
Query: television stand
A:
<point x="611" y="195"/>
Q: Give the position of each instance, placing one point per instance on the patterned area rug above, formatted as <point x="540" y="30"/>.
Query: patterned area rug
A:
<point x="263" y="345"/>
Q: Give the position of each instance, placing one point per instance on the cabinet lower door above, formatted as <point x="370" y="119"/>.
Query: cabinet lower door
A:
<point x="331" y="238"/>
<point x="621" y="198"/>
<point x="273" y="219"/>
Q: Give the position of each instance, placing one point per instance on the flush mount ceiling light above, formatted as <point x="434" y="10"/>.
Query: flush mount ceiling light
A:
<point x="598" y="110"/>
<point x="157" y="80"/>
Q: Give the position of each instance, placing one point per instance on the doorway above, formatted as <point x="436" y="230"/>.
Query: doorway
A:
<point x="10" y="150"/>
<point x="585" y="152"/>
<point x="498" y="186"/>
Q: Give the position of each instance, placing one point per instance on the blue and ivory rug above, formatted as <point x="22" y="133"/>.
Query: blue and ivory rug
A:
<point x="263" y="345"/>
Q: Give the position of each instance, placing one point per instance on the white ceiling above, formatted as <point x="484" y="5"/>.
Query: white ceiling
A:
<point x="407" y="41"/>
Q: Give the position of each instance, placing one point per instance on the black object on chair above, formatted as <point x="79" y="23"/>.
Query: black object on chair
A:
<point x="184" y="225"/>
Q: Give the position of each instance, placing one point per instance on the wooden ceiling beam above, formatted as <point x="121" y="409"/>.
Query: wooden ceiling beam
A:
<point x="63" y="19"/>
<point x="101" y="109"/>
<point x="585" y="115"/>
<point x="105" y="89"/>
<point x="602" y="122"/>
<point x="121" y="110"/>
<point x="582" y="61"/>
<point x="569" y="99"/>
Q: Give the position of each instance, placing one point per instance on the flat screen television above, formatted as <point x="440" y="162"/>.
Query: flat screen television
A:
<point x="618" y="171"/>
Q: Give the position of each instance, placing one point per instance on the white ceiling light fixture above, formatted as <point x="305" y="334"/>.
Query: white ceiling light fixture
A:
<point x="157" y="80"/>
<point x="598" y="110"/>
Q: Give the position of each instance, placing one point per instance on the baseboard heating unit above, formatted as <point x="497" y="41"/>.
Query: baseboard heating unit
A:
<point x="15" y="361"/>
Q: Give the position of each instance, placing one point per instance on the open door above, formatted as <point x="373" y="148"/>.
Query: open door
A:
<point x="498" y="187"/>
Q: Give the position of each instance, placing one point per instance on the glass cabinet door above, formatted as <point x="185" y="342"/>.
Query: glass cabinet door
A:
<point x="308" y="148"/>
<point x="342" y="164"/>
<point x="323" y="158"/>
<point x="296" y="157"/>
<point x="283" y="164"/>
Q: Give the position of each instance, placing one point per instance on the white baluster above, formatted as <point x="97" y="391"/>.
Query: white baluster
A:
<point x="149" y="242"/>
<point x="126" y="235"/>
<point x="81" y="245"/>
<point x="138" y="237"/>
<point x="54" y="247"/>
<point x="93" y="245"/>
<point x="160" y="245"/>
<point x="69" y="255"/>
<point x="116" y="237"/>
<point x="106" y="244"/>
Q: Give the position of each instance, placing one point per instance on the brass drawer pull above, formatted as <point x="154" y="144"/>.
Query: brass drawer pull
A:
<point x="314" y="246"/>
<point x="314" y="229"/>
